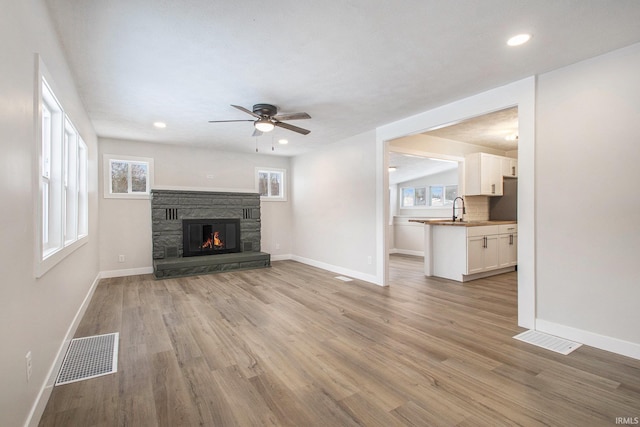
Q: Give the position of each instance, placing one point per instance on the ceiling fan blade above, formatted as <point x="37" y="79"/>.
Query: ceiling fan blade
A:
<point x="246" y="111"/>
<point x="257" y="132"/>
<point x="292" y="116"/>
<point x="292" y="127"/>
<point x="227" y="121"/>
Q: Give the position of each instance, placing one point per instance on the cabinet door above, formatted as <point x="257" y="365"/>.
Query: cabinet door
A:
<point x="491" y="252"/>
<point x="491" y="175"/>
<point x="509" y="167"/>
<point x="475" y="254"/>
<point x="513" y="250"/>
<point x="508" y="251"/>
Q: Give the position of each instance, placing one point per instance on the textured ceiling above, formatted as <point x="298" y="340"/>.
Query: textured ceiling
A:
<point x="352" y="65"/>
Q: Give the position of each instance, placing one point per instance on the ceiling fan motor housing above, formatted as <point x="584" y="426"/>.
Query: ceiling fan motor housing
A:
<point x="265" y="110"/>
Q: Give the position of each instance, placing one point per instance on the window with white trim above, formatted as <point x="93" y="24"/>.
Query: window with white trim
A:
<point x="438" y="196"/>
<point x="270" y="184"/>
<point x="127" y="176"/>
<point x="63" y="207"/>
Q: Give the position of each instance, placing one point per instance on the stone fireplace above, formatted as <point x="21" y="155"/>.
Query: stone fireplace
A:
<point x="199" y="232"/>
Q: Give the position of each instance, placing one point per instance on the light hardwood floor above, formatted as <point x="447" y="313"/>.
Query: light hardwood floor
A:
<point x="292" y="345"/>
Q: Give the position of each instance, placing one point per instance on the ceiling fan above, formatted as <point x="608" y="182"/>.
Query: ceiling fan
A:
<point x="267" y="118"/>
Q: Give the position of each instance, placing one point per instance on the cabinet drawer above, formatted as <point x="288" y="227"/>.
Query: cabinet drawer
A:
<point x="484" y="230"/>
<point x="508" y="228"/>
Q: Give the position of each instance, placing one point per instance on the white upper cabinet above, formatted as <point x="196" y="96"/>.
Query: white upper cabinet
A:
<point x="483" y="175"/>
<point x="509" y="167"/>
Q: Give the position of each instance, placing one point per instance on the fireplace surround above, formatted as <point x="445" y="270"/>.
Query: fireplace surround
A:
<point x="199" y="232"/>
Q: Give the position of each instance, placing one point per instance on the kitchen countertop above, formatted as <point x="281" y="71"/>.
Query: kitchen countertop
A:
<point x="460" y="223"/>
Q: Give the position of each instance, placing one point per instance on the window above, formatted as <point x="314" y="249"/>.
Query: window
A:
<point x="63" y="207"/>
<point x="270" y="184"/>
<point x="439" y="195"/>
<point x="127" y="177"/>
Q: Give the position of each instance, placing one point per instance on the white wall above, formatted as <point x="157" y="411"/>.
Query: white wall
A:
<point x="334" y="207"/>
<point x="35" y="315"/>
<point x="125" y="226"/>
<point x="588" y="203"/>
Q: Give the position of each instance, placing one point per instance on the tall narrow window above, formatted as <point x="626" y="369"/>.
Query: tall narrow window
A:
<point x="63" y="184"/>
<point x="52" y="172"/>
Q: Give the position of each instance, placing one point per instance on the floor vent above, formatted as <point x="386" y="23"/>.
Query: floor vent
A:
<point x="89" y="357"/>
<point x="540" y="339"/>
<point x="344" y="279"/>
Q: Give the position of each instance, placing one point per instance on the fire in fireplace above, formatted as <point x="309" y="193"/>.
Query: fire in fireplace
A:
<point x="210" y="236"/>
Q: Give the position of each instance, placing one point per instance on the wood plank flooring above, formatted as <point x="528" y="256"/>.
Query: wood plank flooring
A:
<point x="293" y="346"/>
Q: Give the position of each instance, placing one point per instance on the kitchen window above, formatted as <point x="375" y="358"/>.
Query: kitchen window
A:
<point x="438" y="196"/>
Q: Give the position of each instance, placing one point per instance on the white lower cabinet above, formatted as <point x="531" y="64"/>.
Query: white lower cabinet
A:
<point x="508" y="245"/>
<point x="459" y="253"/>
<point x="482" y="248"/>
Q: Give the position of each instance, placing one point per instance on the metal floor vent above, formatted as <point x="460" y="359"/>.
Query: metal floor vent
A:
<point x="89" y="357"/>
<point x="550" y="342"/>
<point x="344" y="279"/>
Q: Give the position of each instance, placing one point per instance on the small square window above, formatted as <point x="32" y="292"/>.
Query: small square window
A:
<point x="270" y="184"/>
<point x="127" y="177"/>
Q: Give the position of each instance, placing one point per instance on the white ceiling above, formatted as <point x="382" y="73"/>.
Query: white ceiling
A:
<point x="409" y="167"/>
<point x="352" y="65"/>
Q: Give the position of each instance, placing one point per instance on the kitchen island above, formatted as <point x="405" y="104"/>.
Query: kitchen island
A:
<point x="465" y="251"/>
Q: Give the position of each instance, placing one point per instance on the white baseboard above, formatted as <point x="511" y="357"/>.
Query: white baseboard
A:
<point x="340" y="270"/>
<point x="285" y="257"/>
<point x="406" y="252"/>
<point x="126" y="272"/>
<point x="614" y="345"/>
<point x="45" y="391"/>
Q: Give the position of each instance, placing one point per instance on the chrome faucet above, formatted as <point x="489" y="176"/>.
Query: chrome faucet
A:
<point x="464" y="211"/>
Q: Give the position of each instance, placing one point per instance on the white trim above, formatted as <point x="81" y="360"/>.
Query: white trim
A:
<point x="603" y="342"/>
<point x="285" y="257"/>
<point x="336" y="269"/>
<point x="520" y="93"/>
<point x="406" y="252"/>
<point x="126" y="272"/>
<point x="33" y="419"/>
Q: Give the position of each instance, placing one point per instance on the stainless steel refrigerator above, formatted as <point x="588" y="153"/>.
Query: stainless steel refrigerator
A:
<point x="505" y="207"/>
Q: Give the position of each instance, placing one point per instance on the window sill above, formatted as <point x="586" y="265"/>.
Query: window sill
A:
<point x="54" y="257"/>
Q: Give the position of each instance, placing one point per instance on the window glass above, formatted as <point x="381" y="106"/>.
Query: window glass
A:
<point x="270" y="184"/>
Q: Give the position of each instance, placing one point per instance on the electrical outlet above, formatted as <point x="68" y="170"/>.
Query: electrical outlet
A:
<point x="29" y="365"/>
<point x="277" y="245"/>
<point x="369" y="260"/>
<point x="120" y="258"/>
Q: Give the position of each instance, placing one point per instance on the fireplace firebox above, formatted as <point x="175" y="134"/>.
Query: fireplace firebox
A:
<point x="210" y="236"/>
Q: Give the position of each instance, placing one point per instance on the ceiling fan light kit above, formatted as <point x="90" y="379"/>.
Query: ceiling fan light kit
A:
<point x="268" y="118"/>
<point x="264" y="125"/>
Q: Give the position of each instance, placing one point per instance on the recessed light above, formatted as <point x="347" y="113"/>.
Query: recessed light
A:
<point x="283" y="141"/>
<point x="160" y="125"/>
<point x="519" y="39"/>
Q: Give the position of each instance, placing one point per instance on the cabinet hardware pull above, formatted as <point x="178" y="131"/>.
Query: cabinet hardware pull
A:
<point x="513" y="170"/>
<point x="493" y="189"/>
<point x="484" y="242"/>
<point x="511" y="239"/>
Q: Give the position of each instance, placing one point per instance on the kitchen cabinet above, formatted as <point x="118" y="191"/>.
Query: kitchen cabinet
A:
<point x="466" y="252"/>
<point x="482" y="175"/>
<point x="509" y="167"/>
<point x="508" y="246"/>
<point x="482" y="248"/>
